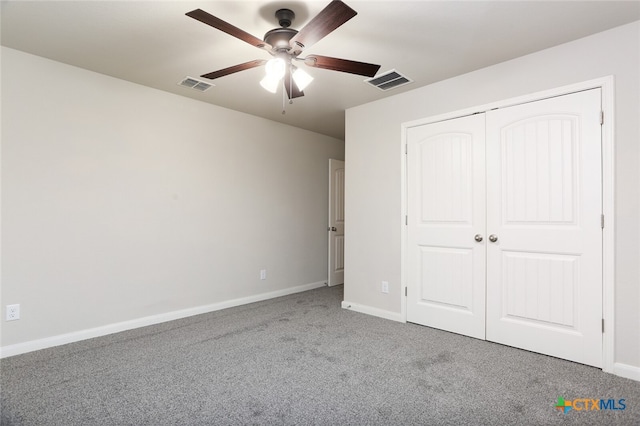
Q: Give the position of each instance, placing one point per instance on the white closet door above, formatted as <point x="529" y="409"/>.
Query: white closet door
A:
<point x="544" y="275"/>
<point x="446" y="210"/>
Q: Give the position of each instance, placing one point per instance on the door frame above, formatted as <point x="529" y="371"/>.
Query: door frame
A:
<point x="606" y="84"/>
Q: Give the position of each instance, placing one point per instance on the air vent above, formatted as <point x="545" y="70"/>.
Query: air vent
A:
<point x="195" y="84"/>
<point x="389" y="80"/>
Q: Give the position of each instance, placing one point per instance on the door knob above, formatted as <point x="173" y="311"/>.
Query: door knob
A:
<point x="333" y="228"/>
<point x="493" y="238"/>
<point x="478" y="238"/>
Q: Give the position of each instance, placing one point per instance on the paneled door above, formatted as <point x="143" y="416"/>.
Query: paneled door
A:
<point x="518" y="221"/>
<point x="544" y="206"/>
<point x="446" y="222"/>
<point x="336" y="223"/>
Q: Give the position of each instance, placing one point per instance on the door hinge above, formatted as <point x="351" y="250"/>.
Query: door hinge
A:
<point x="405" y="292"/>
<point x="602" y="221"/>
<point x="601" y="118"/>
<point x="603" y="325"/>
<point x="406" y="148"/>
<point x="406" y="219"/>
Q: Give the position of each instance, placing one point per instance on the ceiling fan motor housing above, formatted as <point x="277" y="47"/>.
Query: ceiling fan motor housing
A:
<point x="279" y="37"/>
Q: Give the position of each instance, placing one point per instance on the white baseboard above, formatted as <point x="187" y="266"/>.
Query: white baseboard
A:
<point x="363" y="309"/>
<point x="626" y="371"/>
<point x="76" y="336"/>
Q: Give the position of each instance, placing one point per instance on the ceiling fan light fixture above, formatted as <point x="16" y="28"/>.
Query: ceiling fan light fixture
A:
<point x="275" y="68"/>
<point x="302" y="78"/>
<point x="270" y="83"/>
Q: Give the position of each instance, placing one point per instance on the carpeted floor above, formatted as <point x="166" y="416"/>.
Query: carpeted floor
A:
<point x="300" y="360"/>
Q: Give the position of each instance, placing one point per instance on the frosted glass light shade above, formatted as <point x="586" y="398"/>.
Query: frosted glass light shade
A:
<point x="276" y="68"/>
<point x="301" y="78"/>
<point x="270" y="83"/>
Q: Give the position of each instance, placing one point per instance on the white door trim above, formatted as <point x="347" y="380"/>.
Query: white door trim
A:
<point x="608" y="194"/>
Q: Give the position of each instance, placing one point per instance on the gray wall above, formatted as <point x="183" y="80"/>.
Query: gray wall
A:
<point x="374" y="156"/>
<point x="121" y="202"/>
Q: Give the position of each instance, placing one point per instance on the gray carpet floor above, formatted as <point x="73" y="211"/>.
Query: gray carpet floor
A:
<point x="300" y="360"/>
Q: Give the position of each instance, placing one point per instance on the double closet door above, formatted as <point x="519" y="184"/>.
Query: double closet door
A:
<point x="504" y="234"/>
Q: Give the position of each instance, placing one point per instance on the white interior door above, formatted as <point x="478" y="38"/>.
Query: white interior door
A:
<point x="446" y="210"/>
<point x="336" y="223"/>
<point x="544" y="276"/>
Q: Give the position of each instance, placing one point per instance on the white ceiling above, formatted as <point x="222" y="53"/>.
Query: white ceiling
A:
<point x="154" y="44"/>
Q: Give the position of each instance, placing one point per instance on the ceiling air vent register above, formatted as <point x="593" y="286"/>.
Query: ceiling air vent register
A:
<point x="195" y="84"/>
<point x="389" y="80"/>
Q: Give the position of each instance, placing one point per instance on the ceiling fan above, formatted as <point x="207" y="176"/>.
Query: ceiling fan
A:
<point x="286" y="44"/>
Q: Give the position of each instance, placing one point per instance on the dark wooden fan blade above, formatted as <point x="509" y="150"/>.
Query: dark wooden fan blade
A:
<point x="344" y="65"/>
<point x="221" y="25"/>
<point x="330" y="18"/>
<point x="235" y="68"/>
<point x="290" y="85"/>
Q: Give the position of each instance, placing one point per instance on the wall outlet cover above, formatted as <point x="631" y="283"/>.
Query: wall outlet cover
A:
<point x="13" y="312"/>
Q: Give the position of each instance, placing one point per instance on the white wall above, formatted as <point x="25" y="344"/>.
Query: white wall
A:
<point x="374" y="155"/>
<point x="121" y="202"/>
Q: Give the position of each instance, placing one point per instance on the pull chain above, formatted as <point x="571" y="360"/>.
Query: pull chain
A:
<point x="283" y="101"/>
<point x="291" y="83"/>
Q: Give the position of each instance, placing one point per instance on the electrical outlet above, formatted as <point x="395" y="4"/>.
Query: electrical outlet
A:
<point x="13" y="312"/>
<point x="263" y="274"/>
<point x="385" y="287"/>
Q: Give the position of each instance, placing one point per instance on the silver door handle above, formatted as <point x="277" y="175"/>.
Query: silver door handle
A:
<point x="478" y="238"/>
<point x="493" y="238"/>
